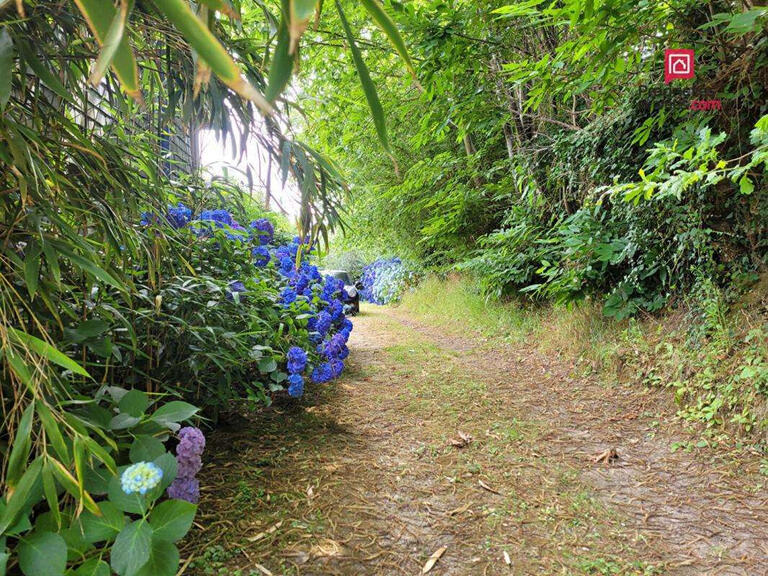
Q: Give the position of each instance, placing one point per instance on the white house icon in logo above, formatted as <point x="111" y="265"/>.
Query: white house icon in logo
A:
<point x="681" y="64"/>
<point x="678" y="64"/>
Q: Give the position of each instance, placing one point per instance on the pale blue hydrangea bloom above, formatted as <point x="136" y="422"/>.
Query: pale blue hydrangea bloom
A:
<point x="141" y="477"/>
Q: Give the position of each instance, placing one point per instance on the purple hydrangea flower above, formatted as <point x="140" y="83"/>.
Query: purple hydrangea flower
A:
<point x="185" y="489"/>
<point x="188" y="462"/>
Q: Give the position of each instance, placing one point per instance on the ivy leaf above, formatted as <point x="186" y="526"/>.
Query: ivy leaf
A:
<point x="746" y="186"/>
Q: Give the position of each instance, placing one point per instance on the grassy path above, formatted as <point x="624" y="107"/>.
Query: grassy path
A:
<point x="370" y="476"/>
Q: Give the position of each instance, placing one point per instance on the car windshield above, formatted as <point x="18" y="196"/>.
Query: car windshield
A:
<point x="343" y="276"/>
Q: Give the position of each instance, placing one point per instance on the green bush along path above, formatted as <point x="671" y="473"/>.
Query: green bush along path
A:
<point x="494" y="458"/>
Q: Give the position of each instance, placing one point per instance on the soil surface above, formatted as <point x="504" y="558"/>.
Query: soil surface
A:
<point x="488" y="457"/>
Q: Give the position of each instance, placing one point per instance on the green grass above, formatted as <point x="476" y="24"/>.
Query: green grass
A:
<point x="459" y="305"/>
<point x="715" y="358"/>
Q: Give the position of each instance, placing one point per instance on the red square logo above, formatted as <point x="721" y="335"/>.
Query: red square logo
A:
<point x="678" y="63"/>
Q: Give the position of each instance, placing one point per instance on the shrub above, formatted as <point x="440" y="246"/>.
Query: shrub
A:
<point x="216" y="312"/>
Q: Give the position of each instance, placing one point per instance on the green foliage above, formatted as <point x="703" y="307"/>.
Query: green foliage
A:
<point x="546" y="156"/>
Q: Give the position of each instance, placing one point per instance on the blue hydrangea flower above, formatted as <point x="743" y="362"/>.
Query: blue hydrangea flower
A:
<point x="323" y="322"/>
<point x="336" y="310"/>
<point x="295" y="385"/>
<point x="235" y="225"/>
<point x="260" y="256"/>
<point x="148" y="218"/>
<point x="322" y="373"/>
<point x="264" y="229"/>
<point x="235" y="287"/>
<point x="335" y="347"/>
<point x="288" y="296"/>
<point x="286" y="265"/>
<point x="337" y="367"/>
<point x="297" y="360"/>
<point x="141" y="477"/>
<point x="178" y="216"/>
<point x="220" y="217"/>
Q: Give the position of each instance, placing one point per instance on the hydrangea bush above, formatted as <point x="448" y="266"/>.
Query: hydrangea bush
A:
<point x="284" y="321"/>
<point x="385" y="280"/>
<point x="232" y="313"/>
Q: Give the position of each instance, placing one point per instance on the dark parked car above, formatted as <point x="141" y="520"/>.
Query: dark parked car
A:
<point x="352" y="290"/>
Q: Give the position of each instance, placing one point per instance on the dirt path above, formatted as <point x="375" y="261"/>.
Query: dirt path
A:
<point x="363" y="477"/>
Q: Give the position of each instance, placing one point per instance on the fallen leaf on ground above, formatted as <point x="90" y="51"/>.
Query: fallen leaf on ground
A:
<point x="459" y="510"/>
<point x="486" y="487"/>
<point x="266" y="532"/>
<point x="433" y="559"/>
<point x="606" y="456"/>
<point x="507" y="559"/>
<point x="297" y="556"/>
<point x="462" y="441"/>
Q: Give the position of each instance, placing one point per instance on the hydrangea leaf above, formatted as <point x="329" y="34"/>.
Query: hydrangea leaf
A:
<point x="132" y="548"/>
<point x="43" y="554"/>
<point x="172" y="519"/>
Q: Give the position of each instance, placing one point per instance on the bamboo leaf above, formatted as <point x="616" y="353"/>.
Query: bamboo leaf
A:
<point x="22" y="496"/>
<point x="70" y="484"/>
<point x="223" y="6"/>
<point x="6" y="67"/>
<point x="180" y="14"/>
<point x="32" y="268"/>
<point x="100" y="16"/>
<point x="52" y="431"/>
<point x="44" y="74"/>
<point x="111" y="43"/>
<point x="21" y="446"/>
<point x="301" y="11"/>
<point x="20" y="369"/>
<point x="90" y="267"/>
<point x="50" y="492"/>
<point x="47" y="351"/>
<point x="388" y="27"/>
<point x="281" y="68"/>
<point x="365" y="79"/>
